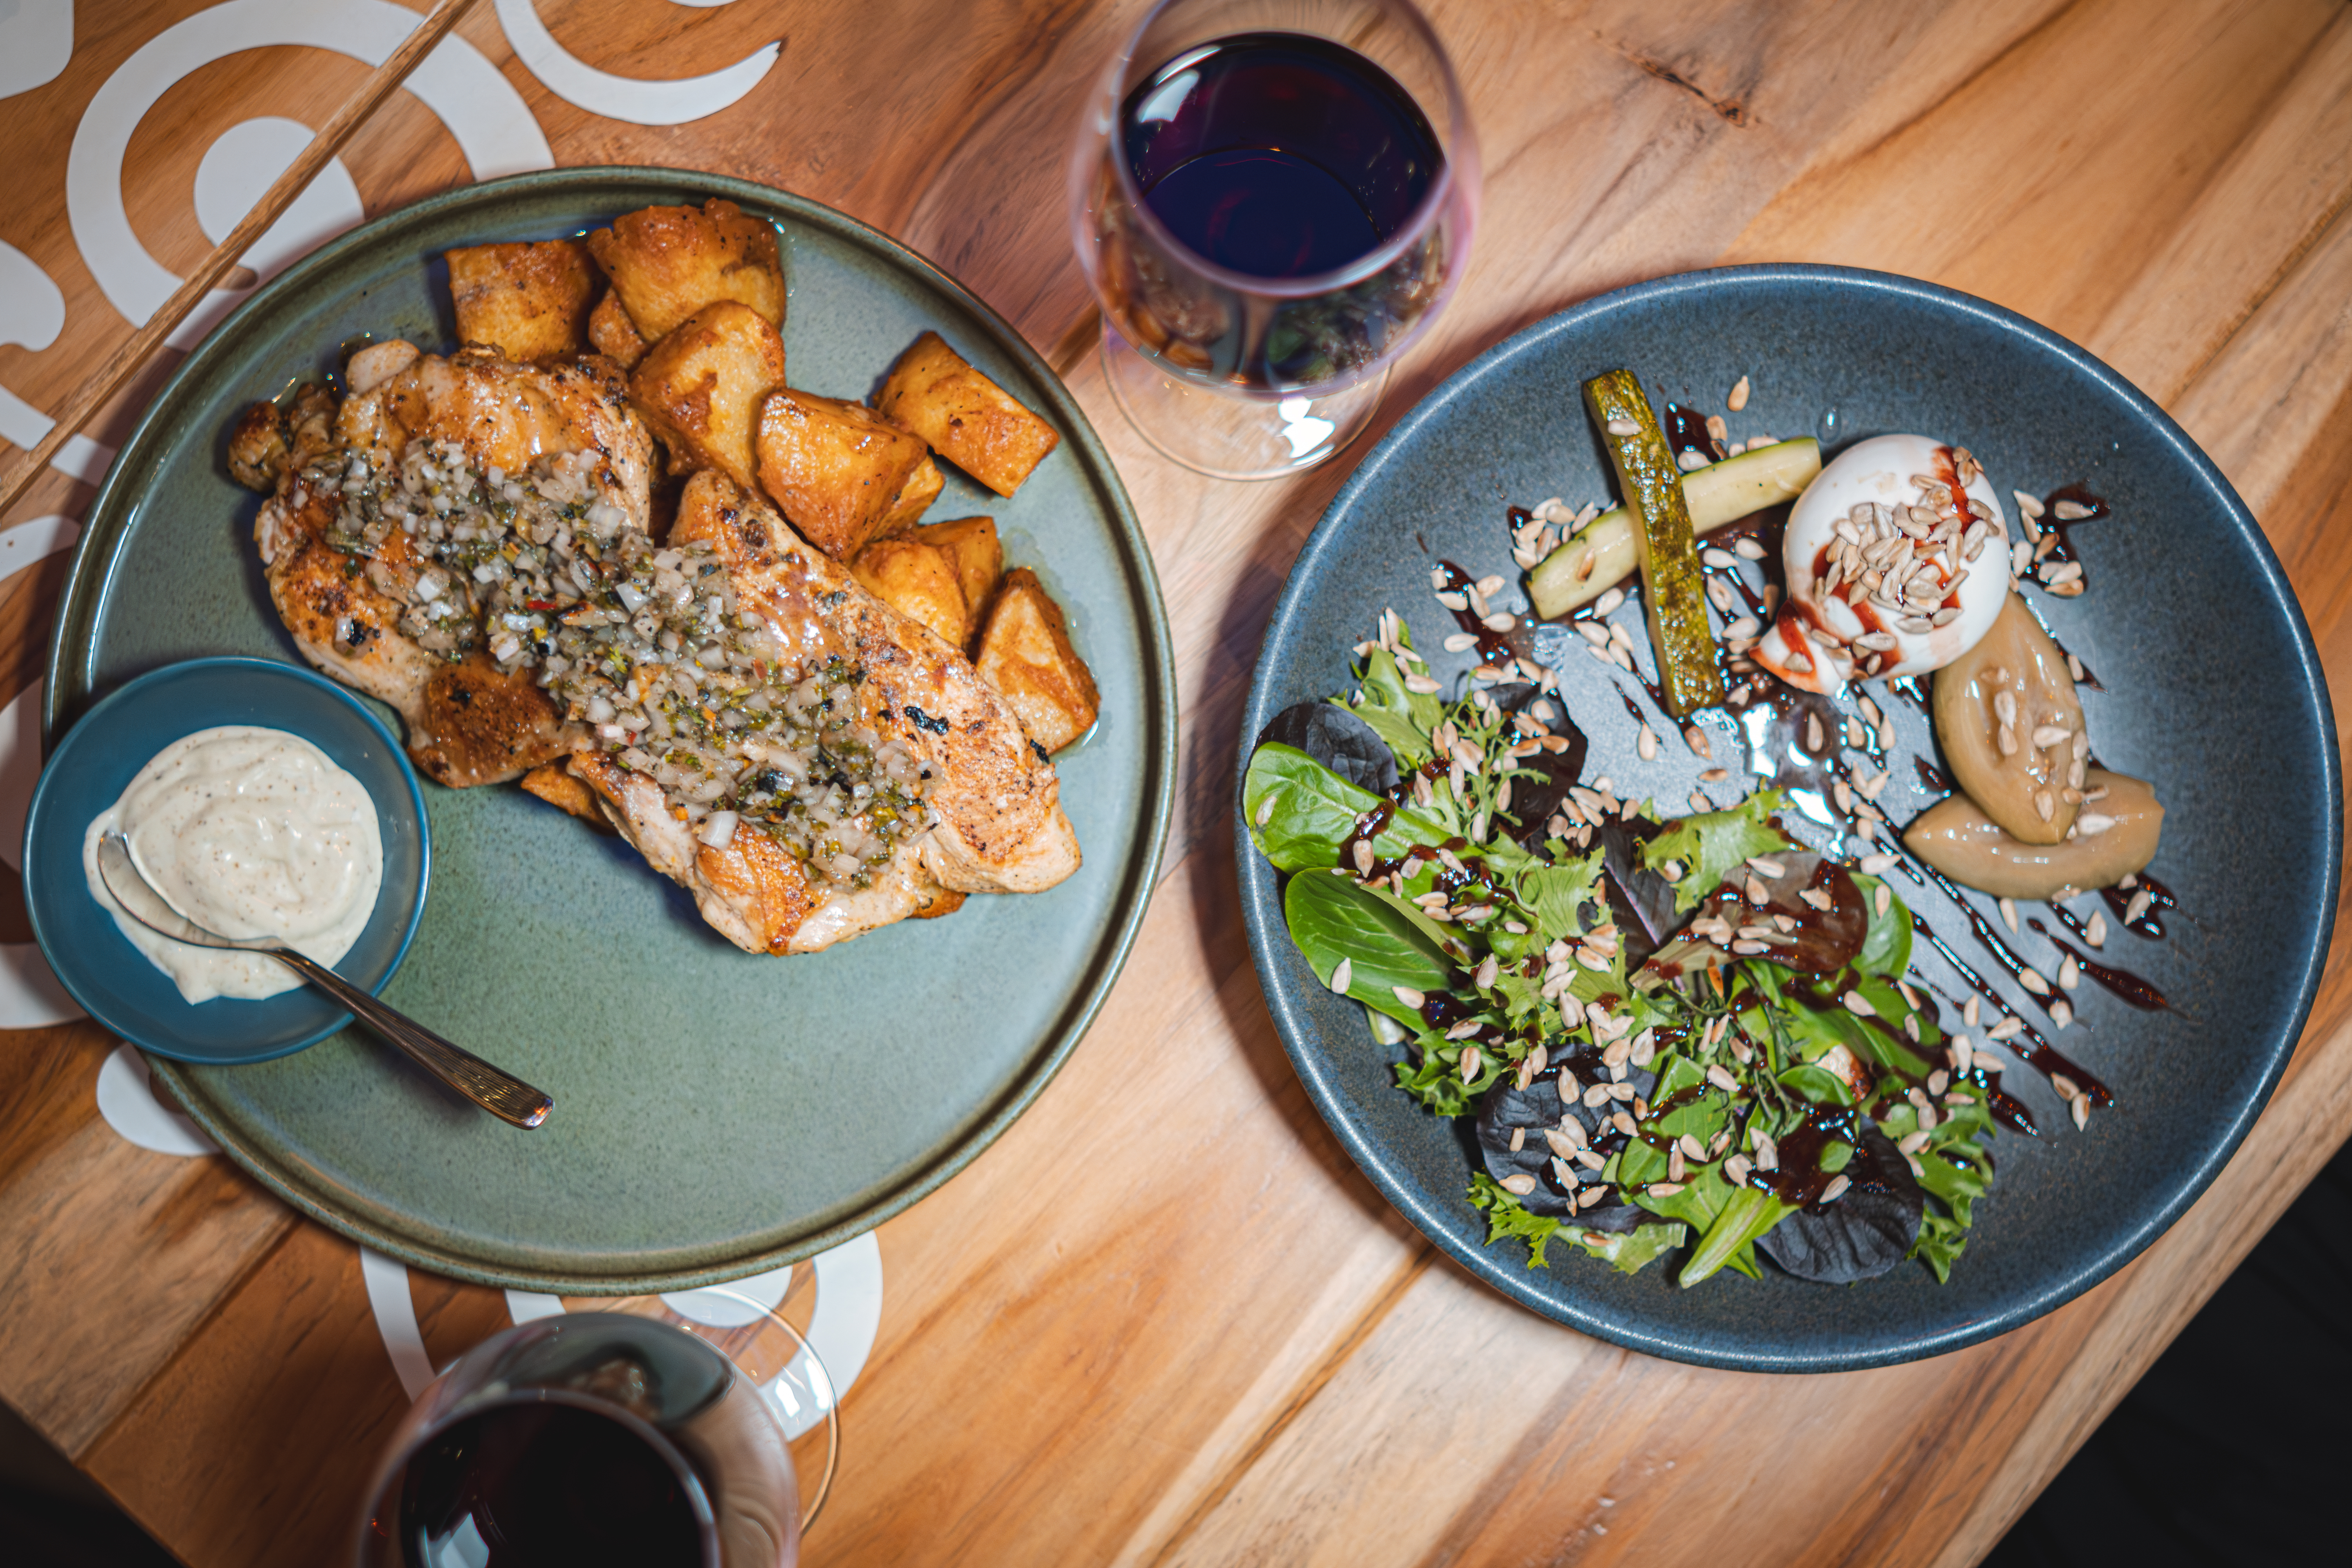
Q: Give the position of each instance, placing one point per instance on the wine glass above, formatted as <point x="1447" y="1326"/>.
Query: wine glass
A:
<point x="1272" y="198"/>
<point x="638" y="1434"/>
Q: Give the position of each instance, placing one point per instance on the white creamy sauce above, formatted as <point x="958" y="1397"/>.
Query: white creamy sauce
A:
<point x="247" y="832"/>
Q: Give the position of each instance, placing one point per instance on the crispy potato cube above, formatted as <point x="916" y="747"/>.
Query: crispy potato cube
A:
<point x="833" y="467"/>
<point x="967" y="418"/>
<point x="918" y="581"/>
<point x="701" y="386"/>
<point x="915" y="497"/>
<point x="670" y="263"/>
<point x="527" y="301"/>
<point x="971" y="543"/>
<point x="613" y="334"/>
<point x="1025" y="654"/>
<point x="553" y="783"/>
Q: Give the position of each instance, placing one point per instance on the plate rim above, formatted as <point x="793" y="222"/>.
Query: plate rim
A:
<point x="1258" y="880"/>
<point x="180" y="668"/>
<point x="66" y="699"/>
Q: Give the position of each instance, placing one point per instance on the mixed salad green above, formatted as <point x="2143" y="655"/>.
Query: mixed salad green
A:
<point x="1677" y="1034"/>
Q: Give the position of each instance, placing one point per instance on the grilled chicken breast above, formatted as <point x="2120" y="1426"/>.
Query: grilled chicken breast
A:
<point x="995" y="820"/>
<point x="468" y="722"/>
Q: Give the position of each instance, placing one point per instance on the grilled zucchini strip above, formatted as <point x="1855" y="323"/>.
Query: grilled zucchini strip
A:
<point x="1672" y="588"/>
<point x="1603" y="554"/>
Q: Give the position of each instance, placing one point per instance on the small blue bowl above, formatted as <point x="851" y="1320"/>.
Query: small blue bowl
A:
<point x="113" y="980"/>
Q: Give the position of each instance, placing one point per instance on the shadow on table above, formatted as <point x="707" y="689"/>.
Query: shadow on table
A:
<point x="53" y="1516"/>
<point x="2233" y="1448"/>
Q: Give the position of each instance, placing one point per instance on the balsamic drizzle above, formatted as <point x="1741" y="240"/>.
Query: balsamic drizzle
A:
<point x="2122" y="982"/>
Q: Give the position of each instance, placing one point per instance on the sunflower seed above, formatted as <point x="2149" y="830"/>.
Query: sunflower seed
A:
<point x="2081" y="1111"/>
<point x="1519" y="1182"/>
<point x="1737" y="399"/>
<point x="1836" y="1189"/>
<point x="2031" y="980"/>
<point x="2092" y="823"/>
<point x="1341" y="973"/>
<point x="1690" y="462"/>
<point x="2009" y="915"/>
<point x="2094" y="930"/>
<point x="1409" y="996"/>
<point x="1622" y="427"/>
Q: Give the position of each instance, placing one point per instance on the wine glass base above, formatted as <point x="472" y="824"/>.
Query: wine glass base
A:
<point x="1228" y="437"/>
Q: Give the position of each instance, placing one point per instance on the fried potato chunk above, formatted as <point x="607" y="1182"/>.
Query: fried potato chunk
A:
<point x="971" y="543"/>
<point x="918" y="581"/>
<point x="833" y="467"/>
<point x="529" y="301"/>
<point x="613" y="334"/>
<point x="669" y="263"/>
<point x="701" y="388"/>
<point x="1025" y="654"/>
<point x="915" y="497"/>
<point x="967" y="418"/>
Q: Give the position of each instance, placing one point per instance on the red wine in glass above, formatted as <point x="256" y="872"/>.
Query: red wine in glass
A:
<point x="544" y="1485"/>
<point x="1272" y="198"/>
<point x="1278" y="154"/>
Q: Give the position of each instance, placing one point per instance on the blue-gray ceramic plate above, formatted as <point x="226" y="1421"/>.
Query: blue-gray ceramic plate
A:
<point x="2213" y="692"/>
<point x="112" y="980"/>
<point x="717" y="1114"/>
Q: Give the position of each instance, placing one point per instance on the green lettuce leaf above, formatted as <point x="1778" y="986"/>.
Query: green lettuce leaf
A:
<point x="1630" y="1250"/>
<point x="1710" y="845"/>
<point x="1402" y="718"/>
<point x="1554" y="894"/>
<point x="1505" y="1216"/>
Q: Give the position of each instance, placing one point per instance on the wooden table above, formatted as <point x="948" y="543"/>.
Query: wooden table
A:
<point x="1232" y="1351"/>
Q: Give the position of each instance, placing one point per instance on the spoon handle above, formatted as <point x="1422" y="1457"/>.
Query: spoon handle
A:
<point x="501" y="1093"/>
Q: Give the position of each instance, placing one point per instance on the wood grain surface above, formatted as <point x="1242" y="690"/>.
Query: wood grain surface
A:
<point x="1232" y="1351"/>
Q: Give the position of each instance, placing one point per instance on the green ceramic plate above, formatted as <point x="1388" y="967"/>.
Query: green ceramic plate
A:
<point x="717" y="1114"/>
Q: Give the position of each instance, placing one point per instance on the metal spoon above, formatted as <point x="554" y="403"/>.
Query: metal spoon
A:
<point x="501" y="1093"/>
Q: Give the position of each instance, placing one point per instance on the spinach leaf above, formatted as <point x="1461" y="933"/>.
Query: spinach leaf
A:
<point x="1331" y="918"/>
<point x="1747" y="1214"/>
<point x="1886" y="946"/>
<point x="1309" y="811"/>
<point x="1818" y="1084"/>
<point x="1338" y="739"/>
<point x="1710" y="845"/>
